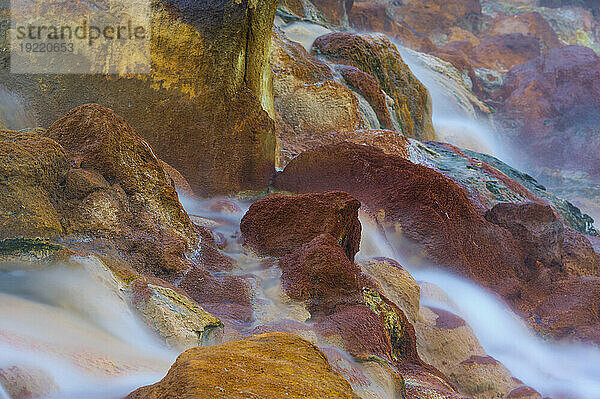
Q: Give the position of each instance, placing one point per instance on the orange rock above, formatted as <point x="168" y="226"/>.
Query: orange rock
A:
<point x="272" y="365"/>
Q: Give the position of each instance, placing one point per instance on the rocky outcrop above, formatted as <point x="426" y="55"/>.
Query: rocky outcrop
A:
<point x="378" y="57"/>
<point x="273" y="365"/>
<point x="536" y="227"/>
<point x="278" y="225"/>
<point x="320" y="274"/>
<point x="529" y="24"/>
<point x="218" y="133"/>
<point x="32" y="169"/>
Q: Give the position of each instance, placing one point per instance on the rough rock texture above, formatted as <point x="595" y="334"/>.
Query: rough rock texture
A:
<point x="377" y="56"/>
<point x="397" y="284"/>
<point x="320" y="274"/>
<point x="309" y="103"/>
<point x="550" y="104"/>
<point x="27" y="383"/>
<point x="431" y="17"/>
<point x="202" y="111"/>
<point x="178" y="320"/>
<point x="535" y="226"/>
<point x="375" y="17"/>
<point x="278" y="225"/>
<point x="271" y="365"/>
<point x="118" y="190"/>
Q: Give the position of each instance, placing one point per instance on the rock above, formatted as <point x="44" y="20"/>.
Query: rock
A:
<point x="374" y="17"/>
<point x="217" y="133"/>
<point x="535" y="227"/>
<point x="320" y="274"/>
<point x="413" y="201"/>
<point x="27" y="383"/>
<point x="549" y="106"/>
<point x="368" y="87"/>
<point x="32" y="168"/>
<point x="529" y="24"/>
<point x="377" y="56"/>
<point x="179" y="321"/>
<point x="117" y="190"/>
<point x="334" y="11"/>
<point x="397" y="284"/>
<point x="278" y="225"/>
<point x="272" y="365"/>
<point x="181" y="184"/>
<point x="523" y="392"/>
<point x="228" y="297"/>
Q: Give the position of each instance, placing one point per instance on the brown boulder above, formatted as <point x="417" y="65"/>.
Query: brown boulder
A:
<point x="578" y="256"/>
<point x="431" y="17"/>
<point x="32" y="169"/>
<point x="378" y="57"/>
<point x="278" y="225"/>
<point x="334" y="11"/>
<point x="549" y="106"/>
<point x="269" y="365"/>
<point x="503" y="52"/>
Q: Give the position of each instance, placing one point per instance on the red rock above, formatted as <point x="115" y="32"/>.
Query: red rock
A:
<point x="529" y="24"/>
<point x="374" y="17"/>
<point x="447" y="320"/>
<point x="524" y="392"/>
<point x="278" y="225"/>
<point x="429" y="17"/>
<point x="427" y="207"/>
<point x="579" y="257"/>
<point x="225" y="296"/>
<point x="370" y="89"/>
<point x="320" y="274"/>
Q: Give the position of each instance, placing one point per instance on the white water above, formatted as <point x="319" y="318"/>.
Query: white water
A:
<point x="70" y="324"/>
<point x="553" y="369"/>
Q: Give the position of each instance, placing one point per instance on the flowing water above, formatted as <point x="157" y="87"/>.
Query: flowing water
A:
<point x="70" y="324"/>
